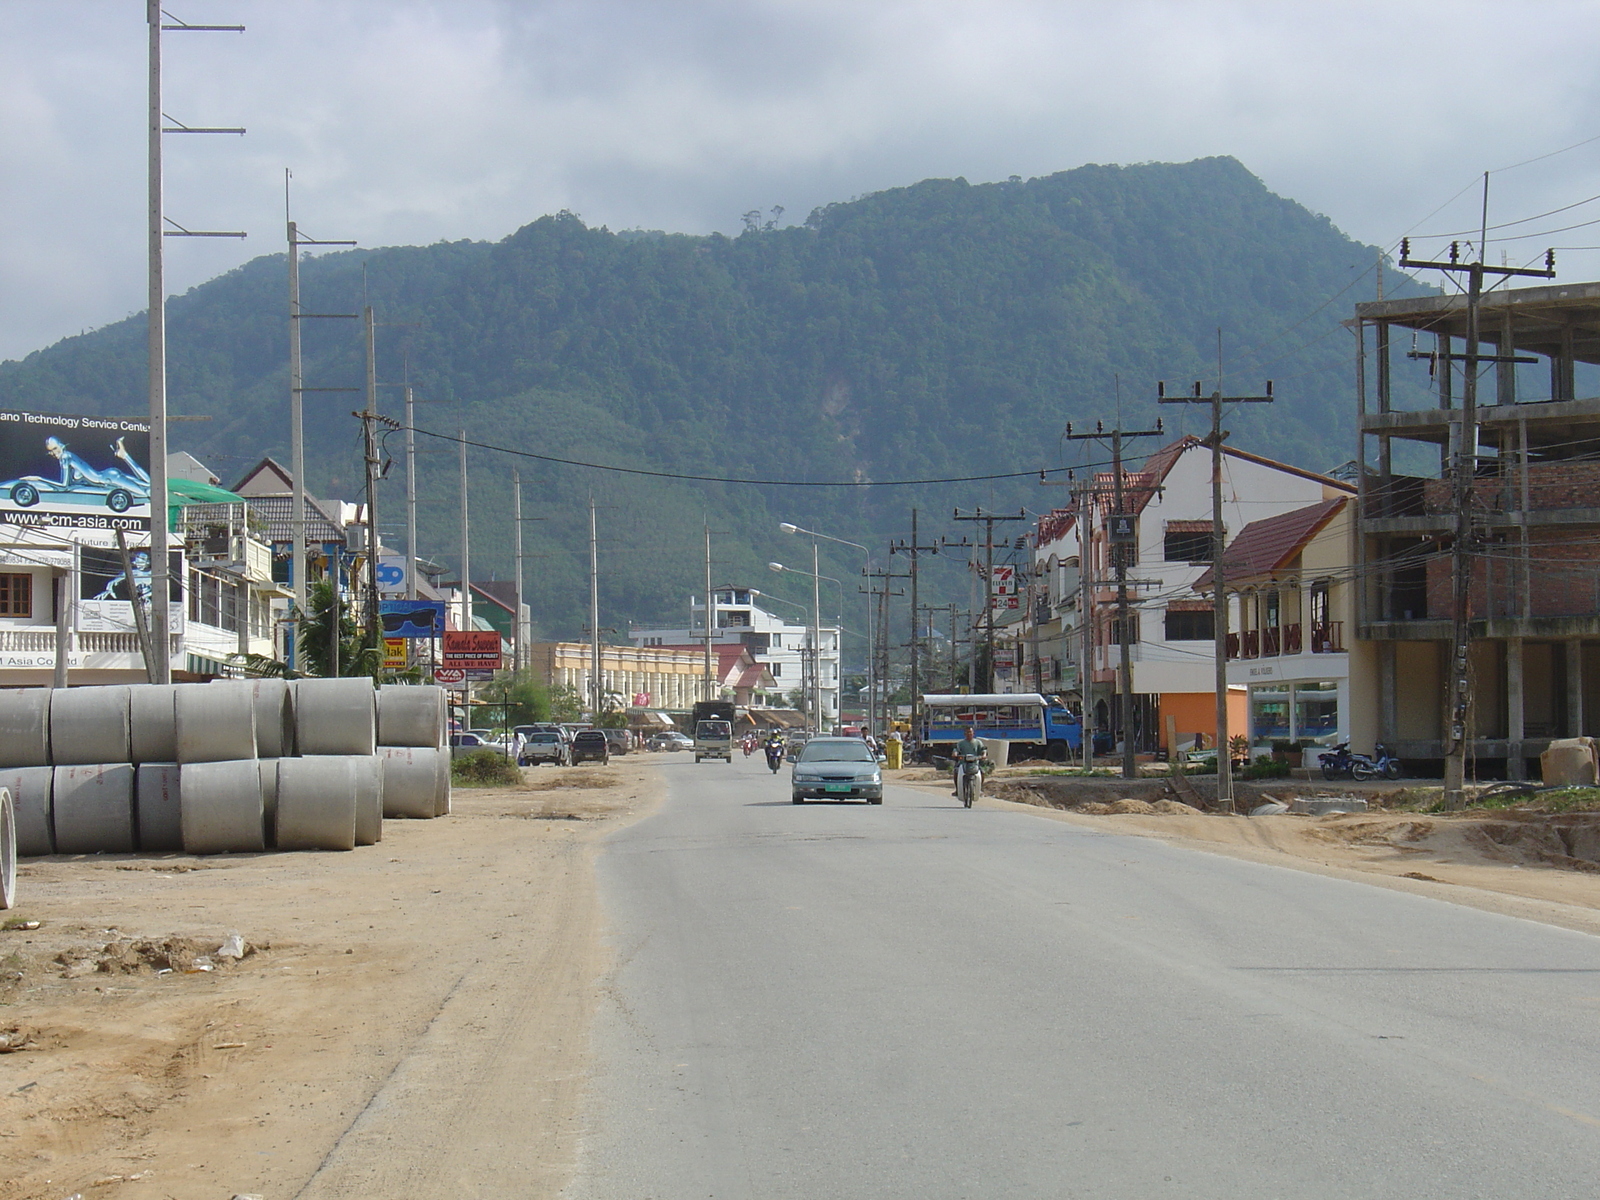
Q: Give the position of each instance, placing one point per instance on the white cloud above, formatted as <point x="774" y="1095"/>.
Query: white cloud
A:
<point x="421" y="120"/>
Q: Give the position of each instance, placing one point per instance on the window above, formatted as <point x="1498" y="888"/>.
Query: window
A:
<point x="1133" y="630"/>
<point x="16" y="595"/>
<point x="1189" y="626"/>
<point x="776" y="669"/>
<point x="1187" y="545"/>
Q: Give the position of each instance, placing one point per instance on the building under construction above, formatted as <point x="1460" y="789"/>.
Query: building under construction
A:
<point x="1535" y="553"/>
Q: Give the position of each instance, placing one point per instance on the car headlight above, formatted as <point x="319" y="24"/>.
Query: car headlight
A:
<point x="799" y="778"/>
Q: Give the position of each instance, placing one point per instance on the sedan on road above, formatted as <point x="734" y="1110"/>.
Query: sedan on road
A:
<point x="836" y="768"/>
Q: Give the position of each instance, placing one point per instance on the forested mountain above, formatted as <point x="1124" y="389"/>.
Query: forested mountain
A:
<point x="941" y="329"/>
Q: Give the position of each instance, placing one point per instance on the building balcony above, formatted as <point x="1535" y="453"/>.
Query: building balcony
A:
<point x="1328" y="638"/>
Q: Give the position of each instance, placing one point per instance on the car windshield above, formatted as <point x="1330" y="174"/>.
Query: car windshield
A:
<point x="544" y="737"/>
<point x="840" y="751"/>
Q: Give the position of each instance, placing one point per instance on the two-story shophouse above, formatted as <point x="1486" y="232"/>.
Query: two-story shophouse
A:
<point x="1170" y="628"/>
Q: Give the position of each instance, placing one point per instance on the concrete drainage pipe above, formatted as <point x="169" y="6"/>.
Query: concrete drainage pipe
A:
<point x="152" y="723"/>
<point x="25" y="727"/>
<point x="316" y="804"/>
<point x="89" y="725"/>
<point x="215" y="723"/>
<point x="411" y="780"/>
<point x="30" y="805"/>
<point x="91" y="808"/>
<point x="335" y="716"/>
<point x="367" y="771"/>
<point x="220" y="805"/>
<point x="8" y="852"/>
<point x="157" y="798"/>
<point x="274" y="718"/>
<point x="269" y="798"/>
<point x="410" y="715"/>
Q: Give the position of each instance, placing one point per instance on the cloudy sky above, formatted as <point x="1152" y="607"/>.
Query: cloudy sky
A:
<point x="414" y="121"/>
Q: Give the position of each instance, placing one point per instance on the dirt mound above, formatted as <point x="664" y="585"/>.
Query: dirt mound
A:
<point x="133" y="956"/>
<point x="1175" y="808"/>
<point x="570" y="777"/>
<point x="1128" y="805"/>
<point x="1093" y="807"/>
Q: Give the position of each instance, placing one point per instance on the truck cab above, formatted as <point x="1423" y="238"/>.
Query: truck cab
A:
<point x="713" y="730"/>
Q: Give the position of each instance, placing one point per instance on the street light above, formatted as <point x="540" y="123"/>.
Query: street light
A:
<point x="872" y="690"/>
<point x="816" y="628"/>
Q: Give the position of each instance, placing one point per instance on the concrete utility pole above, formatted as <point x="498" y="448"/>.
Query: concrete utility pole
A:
<point x="1123" y="532"/>
<point x="411" y="499"/>
<point x="708" y="609"/>
<point x="879" y="650"/>
<point x="595" y="682"/>
<point x="160" y="564"/>
<point x="297" y="435"/>
<point x="1219" y="537"/>
<point x="1085" y="494"/>
<point x="914" y="549"/>
<point x="466" y="570"/>
<point x="516" y="593"/>
<point x="1463" y="471"/>
<point x="989" y="520"/>
<point x="369" y="415"/>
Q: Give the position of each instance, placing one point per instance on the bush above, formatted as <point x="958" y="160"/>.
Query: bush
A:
<point x="484" y="768"/>
<point x="1266" y="767"/>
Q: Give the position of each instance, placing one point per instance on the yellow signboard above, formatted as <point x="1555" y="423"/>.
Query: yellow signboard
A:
<point x="394" y="654"/>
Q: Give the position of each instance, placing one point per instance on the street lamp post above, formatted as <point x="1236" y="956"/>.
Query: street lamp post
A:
<point x="816" y="627"/>
<point x="872" y="689"/>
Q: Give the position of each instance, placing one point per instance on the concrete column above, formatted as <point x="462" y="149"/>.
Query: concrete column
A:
<point x="1574" y="688"/>
<point x="1388" y="701"/>
<point x="1516" y="766"/>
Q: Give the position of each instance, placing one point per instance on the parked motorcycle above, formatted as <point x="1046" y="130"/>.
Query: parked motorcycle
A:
<point x="1340" y="761"/>
<point x="1336" y="762"/>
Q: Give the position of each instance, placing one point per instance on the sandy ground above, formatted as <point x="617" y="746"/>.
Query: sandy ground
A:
<point x="1519" y="863"/>
<point x="410" y="1019"/>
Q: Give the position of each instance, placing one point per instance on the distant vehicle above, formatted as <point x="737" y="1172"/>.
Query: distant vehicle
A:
<point x="620" y="740"/>
<point x="543" y="747"/>
<point x="672" y="740"/>
<point x="836" y="768"/>
<point x="466" y="743"/>
<point x="500" y="742"/>
<point x="544" y="727"/>
<point x="713" y="730"/>
<point x="796" y="742"/>
<point x="589" y="745"/>
<point x="1032" y="723"/>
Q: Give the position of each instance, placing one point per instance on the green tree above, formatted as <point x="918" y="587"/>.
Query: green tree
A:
<point x="315" y="633"/>
<point x="521" y="696"/>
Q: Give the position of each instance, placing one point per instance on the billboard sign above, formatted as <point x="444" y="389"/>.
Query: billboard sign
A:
<point x="472" y="649"/>
<point x="391" y="573"/>
<point x="411" y="618"/>
<point x="59" y="471"/>
<point x="105" y="594"/>
<point x="449" y="675"/>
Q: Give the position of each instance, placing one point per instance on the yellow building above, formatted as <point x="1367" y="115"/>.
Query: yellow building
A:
<point x="655" y="677"/>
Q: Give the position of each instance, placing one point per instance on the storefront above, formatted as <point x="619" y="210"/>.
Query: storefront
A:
<point x="1297" y="711"/>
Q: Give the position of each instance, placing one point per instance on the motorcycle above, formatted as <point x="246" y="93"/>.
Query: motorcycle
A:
<point x="1341" y="761"/>
<point x="969" y="779"/>
<point x="774" y="753"/>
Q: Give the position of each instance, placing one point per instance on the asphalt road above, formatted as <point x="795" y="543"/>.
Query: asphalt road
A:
<point x="917" y="1000"/>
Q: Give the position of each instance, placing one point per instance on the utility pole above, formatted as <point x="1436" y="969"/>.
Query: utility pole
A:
<point x="989" y="520"/>
<point x="1219" y="537"/>
<point x="1123" y="533"/>
<point x="596" y="684"/>
<point x="1085" y="495"/>
<point x="516" y="616"/>
<point x="708" y="608"/>
<point x="466" y="576"/>
<point x="297" y="438"/>
<point x="369" y="415"/>
<point x="411" y="498"/>
<point x="914" y="549"/>
<point x="160" y="568"/>
<point x="879" y="650"/>
<point x="1463" y="471"/>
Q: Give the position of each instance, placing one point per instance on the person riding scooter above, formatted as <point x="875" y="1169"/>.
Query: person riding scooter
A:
<point x="774" y="752"/>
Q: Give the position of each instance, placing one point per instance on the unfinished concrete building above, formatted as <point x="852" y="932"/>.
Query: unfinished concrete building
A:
<point x="1535" y="559"/>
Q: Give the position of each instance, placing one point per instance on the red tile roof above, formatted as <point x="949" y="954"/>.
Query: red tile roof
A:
<point x="1265" y="546"/>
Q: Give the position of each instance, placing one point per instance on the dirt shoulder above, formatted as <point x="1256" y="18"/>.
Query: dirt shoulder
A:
<point x="1533" y="865"/>
<point x="409" y="1019"/>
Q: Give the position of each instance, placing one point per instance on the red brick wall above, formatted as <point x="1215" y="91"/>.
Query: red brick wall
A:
<point x="1565" y="577"/>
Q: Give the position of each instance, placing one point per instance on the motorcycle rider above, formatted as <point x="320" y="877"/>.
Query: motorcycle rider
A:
<point x="969" y="750"/>
<point x="774" y="751"/>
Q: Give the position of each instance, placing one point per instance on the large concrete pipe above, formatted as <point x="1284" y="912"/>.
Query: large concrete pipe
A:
<point x="442" y="786"/>
<point x="157" y="799"/>
<point x="269" y="798"/>
<point x="25" y="727"/>
<point x="8" y="852"/>
<point x="220" y="805"/>
<point x="335" y="716"/>
<point x="316" y="804"/>
<point x="411" y="776"/>
<point x="215" y="722"/>
<point x="411" y="715"/>
<point x="30" y="804"/>
<point x="89" y="725"/>
<point x="91" y="808"/>
<point x="152" y="722"/>
<point x="367" y="772"/>
<point x="274" y="718"/>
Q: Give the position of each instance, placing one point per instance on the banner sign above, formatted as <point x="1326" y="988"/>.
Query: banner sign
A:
<point x="449" y="675"/>
<point x="472" y="649"/>
<point x="74" y="472"/>
<point x="1005" y="589"/>
<point x="395" y="655"/>
<point x="391" y="573"/>
<point x="105" y="594"/>
<point x="411" y="618"/>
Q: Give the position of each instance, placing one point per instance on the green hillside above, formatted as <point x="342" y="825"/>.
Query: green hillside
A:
<point x="934" y="330"/>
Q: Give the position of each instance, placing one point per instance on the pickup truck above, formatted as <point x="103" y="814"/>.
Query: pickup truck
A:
<point x="713" y="730"/>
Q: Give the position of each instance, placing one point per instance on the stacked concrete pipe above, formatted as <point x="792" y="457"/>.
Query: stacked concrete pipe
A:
<point x="416" y="762"/>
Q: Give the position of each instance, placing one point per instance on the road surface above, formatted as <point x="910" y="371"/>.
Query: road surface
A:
<point x="917" y="1000"/>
